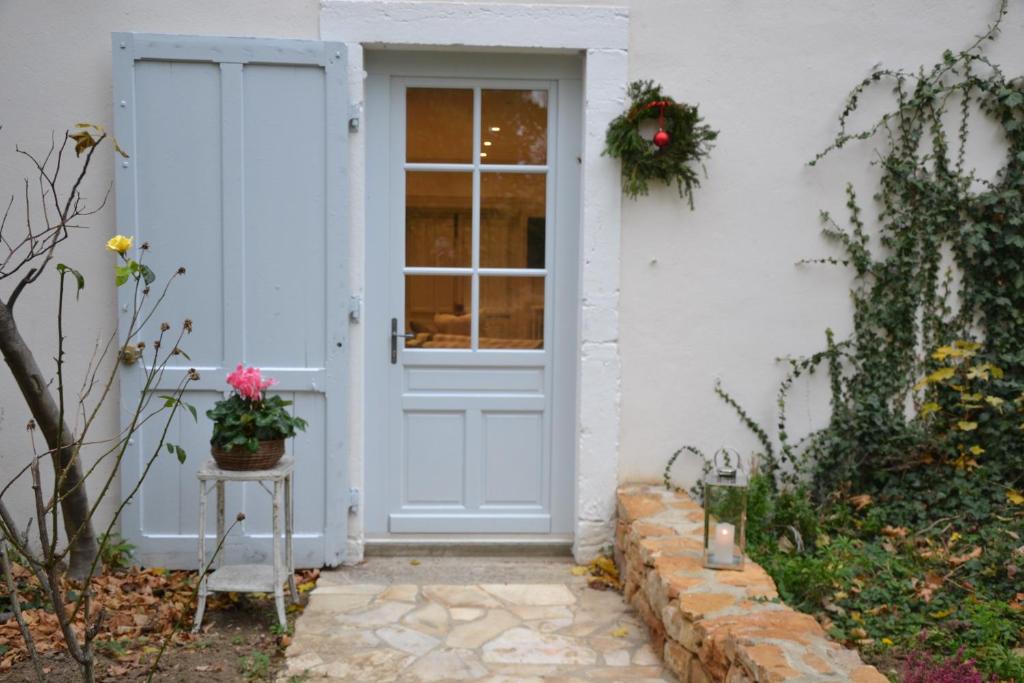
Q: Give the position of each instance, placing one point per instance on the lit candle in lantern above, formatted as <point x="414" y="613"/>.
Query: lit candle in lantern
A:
<point x="722" y="547"/>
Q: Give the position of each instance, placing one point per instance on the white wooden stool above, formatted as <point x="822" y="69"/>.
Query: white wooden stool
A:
<point x="248" y="578"/>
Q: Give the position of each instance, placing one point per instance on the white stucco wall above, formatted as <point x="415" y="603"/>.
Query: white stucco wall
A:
<point x="704" y="294"/>
<point x="714" y="293"/>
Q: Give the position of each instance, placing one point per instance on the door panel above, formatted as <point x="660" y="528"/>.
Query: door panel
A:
<point x="236" y="171"/>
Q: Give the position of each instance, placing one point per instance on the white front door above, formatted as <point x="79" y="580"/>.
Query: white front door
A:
<point x="480" y="239"/>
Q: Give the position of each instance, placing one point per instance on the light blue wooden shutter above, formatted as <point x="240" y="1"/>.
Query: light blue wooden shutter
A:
<point x="238" y="150"/>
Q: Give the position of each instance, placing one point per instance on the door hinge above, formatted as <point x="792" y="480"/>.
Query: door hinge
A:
<point x="353" y="499"/>
<point x="355" y="308"/>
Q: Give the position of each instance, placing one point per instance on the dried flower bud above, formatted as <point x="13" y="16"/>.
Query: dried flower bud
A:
<point x="156" y="344"/>
<point x="145" y="291"/>
<point x="164" y="327"/>
<point x="31" y="426"/>
<point x="141" y="345"/>
<point x="176" y="351"/>
<point x="240" y="517"/>
<point x="188" y="325"/>
<point x="145" y="246"/>
<point x="193" y="375"/>
<point x="181" y="270"/>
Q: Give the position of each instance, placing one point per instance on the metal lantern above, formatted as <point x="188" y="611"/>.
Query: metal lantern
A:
<point x="725" y="513"/>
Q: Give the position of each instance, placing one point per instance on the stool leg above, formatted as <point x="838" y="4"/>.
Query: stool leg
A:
<point x="201" y="595"/>
<point x="220" y="522"/>
<point x="289" y="529"/>
<point x="278" y="579"/>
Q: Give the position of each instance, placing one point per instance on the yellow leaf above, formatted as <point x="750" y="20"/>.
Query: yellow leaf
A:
<point x="997" y="372"/>
<point x="887" y="642"/>
<point x="1015" y="497"/>
<point x="414" y="563"/>
<point x="965" y="463"/>
<point x="157" y="571"/>
<point x="929" y="408"/>
<point x="579" y="570"/>
<point x="977" y="450"/>
<point x="83" y="141"/>
<point x="306" y="587"/>
<point x="942" y="352"/>
<point x="856" y="616"/>
<point x="954" y="537"/>
<point x="967" y="345"/>
<point x="942" y="614"/>
<point x="941" y="374"/>
<point x="966" y="426"/>
<point x="994" y="401"/>
<point x="971" y="398"/>
<point x="620" y="632"/>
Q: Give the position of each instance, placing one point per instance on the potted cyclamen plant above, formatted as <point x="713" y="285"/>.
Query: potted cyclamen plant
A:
<point x="249" y="427"/>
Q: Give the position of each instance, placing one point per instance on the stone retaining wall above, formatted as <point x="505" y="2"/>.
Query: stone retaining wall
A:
<point x="716" y="625"/>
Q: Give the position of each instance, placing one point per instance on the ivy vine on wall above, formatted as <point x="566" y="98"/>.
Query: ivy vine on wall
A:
<point x="948" y="265"/>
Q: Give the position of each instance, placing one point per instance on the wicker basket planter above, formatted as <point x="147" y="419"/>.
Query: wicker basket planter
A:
<point x="265" y="457"/>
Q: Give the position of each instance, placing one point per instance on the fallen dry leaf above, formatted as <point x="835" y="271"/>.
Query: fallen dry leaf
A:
<point x="926" y="589"/>
<point x="860" y="502"/>
<point x="960" y="559"/>
<point x="894" y="531"/>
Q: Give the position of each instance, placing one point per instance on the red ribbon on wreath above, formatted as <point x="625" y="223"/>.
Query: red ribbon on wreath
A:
<point x="661" y="138"/>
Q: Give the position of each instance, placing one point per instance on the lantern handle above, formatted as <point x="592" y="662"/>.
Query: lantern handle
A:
<point x="728" y="472"/>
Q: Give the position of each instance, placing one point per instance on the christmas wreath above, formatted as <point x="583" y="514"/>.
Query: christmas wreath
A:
<point x="681" y="142"/>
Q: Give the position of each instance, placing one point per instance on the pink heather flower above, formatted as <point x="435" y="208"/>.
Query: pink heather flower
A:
<point x="248" y="382"/>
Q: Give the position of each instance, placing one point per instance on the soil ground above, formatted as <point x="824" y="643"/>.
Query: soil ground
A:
<point x="237" y="644"/>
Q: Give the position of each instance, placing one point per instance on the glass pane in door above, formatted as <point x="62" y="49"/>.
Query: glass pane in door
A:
<point x="437" y="311"/>
<point x="438" y="219"/>
<point x="511" y="312"/>
<point x="438" y="125"/>
<point x="514" y="127"/>
<point x="512" y="220"/>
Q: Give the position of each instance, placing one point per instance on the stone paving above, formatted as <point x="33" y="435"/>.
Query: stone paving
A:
<point x="557" y="631"/>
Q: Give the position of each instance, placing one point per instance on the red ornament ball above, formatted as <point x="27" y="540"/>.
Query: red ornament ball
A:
<point x="661" y="138"/>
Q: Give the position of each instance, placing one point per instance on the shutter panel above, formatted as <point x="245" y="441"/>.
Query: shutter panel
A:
<point x="236" y="171"/>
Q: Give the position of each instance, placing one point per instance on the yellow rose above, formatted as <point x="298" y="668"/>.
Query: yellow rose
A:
<point x="120" y="244"/>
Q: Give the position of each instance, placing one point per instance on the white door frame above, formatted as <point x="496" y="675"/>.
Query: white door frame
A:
<point x="601" y="34"/>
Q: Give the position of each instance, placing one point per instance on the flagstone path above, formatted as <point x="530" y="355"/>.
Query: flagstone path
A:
<point x="559" y="631"/>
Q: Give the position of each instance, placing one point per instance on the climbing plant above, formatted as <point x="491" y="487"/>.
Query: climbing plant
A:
<point x="948" y="263"/>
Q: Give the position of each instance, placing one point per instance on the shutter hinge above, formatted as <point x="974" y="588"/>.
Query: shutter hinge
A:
<point x="355" y="111"/>
<point x="355" y="309"/>
<point x="353" y="499"/>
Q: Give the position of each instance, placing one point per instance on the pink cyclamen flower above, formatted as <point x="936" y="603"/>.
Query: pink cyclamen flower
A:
<point x="248" y="382"/>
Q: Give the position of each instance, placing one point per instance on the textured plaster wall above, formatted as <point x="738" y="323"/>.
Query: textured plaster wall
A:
<point x="714" y="293"/>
